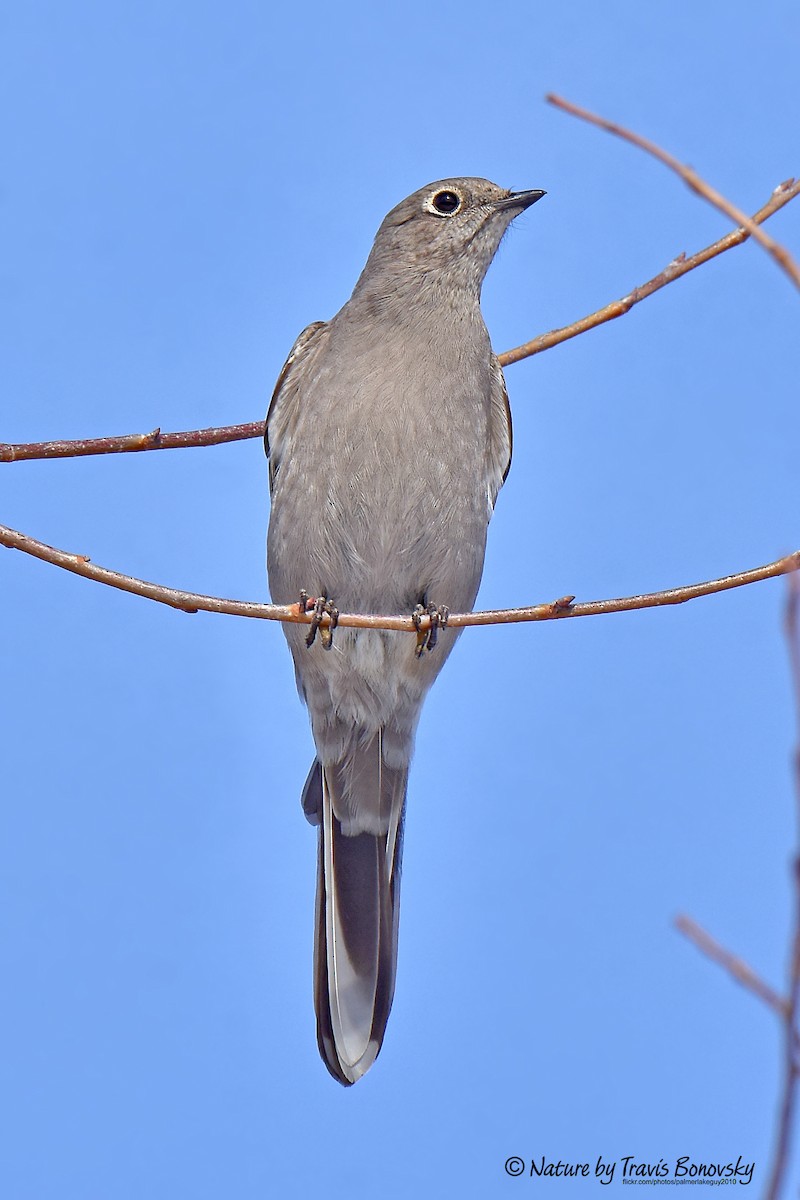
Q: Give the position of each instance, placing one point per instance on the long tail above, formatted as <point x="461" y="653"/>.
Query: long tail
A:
<point x="358" y="904"/>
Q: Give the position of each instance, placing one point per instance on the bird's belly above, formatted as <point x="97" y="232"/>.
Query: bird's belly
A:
<point x="378" y="539"/>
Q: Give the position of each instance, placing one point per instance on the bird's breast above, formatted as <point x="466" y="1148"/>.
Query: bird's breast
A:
<point x="383" y="485"/>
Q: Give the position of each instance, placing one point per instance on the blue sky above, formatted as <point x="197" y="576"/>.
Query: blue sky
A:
<point x="184" y="188"/>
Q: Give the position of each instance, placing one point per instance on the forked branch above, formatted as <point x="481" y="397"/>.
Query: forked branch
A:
<point x="694" y="181"/>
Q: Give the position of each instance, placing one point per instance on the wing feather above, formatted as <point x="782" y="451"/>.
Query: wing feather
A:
<point x="282" y="412"/>
<point x="500" y="437"/>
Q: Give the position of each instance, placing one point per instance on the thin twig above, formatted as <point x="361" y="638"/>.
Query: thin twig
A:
<point x="736" y="967"/>
<point x="690" y="177"/>
<point x="679" y="266"/>
<point x="560" y="609"/>
<point x="131" y="443"/>
<point x="136" y="442"/>
<point x="791" y="1066"/>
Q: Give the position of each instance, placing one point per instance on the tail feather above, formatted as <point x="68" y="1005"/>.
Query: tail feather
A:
<point x="357" y="911"/>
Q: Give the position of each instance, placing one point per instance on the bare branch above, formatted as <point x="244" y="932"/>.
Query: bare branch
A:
<point x="131" y="443"/>
<point x="787" y="1009"/>
<point x="791" y="1066"/>
<point x="80" y="564"/>
<point x="694" y="181"/>
<point x="135" y="442"/>
<point x="736" y="967"/>
<point x="679" y="266"/>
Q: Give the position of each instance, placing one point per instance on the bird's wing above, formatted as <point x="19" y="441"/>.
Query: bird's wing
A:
<point x="500" y="441"/>
<point x="282" y="412"/>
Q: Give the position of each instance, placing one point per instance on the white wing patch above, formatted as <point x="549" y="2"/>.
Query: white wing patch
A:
<point x="500" y="439"/>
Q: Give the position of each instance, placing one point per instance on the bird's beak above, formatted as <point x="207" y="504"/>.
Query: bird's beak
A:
<point x="521" y="200"/>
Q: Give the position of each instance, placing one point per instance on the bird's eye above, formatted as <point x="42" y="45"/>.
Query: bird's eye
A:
<point x="446" y="203"/>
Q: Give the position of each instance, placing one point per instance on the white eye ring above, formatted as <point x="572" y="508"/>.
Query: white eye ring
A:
<point x="444" y="203"/>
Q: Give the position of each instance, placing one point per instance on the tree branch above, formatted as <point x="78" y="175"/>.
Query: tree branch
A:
<point x="791" y="1034"/>
<point x="679" y="266"/>
<point x="737" y="968"/>
<point x="690" y="177"/>
<point x="80" y="564"/>
<point x="130" y="443"/>
<point x="787" y="1009"/>
<point x="135" y="442"/>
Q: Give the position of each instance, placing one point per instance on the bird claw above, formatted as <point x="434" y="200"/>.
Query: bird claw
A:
<point x="427" y="638"/>
<point x="320" y="607"/>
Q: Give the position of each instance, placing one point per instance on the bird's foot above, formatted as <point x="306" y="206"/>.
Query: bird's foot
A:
<point x="427" y="638"/>
<point x="321" y="607"/>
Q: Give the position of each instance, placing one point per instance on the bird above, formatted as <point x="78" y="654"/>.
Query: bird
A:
<point x="388" y="438"/>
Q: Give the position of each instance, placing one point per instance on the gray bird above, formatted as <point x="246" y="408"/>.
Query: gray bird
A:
<point x="389" y="438"/>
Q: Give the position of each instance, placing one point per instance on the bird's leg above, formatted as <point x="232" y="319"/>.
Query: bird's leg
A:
<point x="320" y="607"/>
<point x="427" y="638"/>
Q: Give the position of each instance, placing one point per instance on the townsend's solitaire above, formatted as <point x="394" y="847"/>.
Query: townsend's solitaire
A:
<point x="389" y="437"/>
